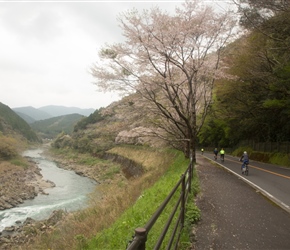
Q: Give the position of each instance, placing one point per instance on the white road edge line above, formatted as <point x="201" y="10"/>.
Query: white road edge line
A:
<point x="264" y="192"/>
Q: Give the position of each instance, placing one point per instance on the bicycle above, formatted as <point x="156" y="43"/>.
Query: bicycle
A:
<point x="222" y="158"/>
<point x="245" y="168"/>
<point x="215" y="153"/>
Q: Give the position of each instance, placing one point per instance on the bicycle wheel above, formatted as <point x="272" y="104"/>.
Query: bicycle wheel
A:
<point x="247" y="171"/>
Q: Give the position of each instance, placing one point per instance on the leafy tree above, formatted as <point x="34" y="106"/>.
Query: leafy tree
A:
<point x="7" y="147"/>
<point x="172" y="61"/>
<point x="215" y="132"/>
<point x="92" y="118"/>
<point x="256" y="12"/>
<point x="256" y="103"/>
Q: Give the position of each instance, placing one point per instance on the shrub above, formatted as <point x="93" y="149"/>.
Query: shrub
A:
<point x="280" y="159"/>
<point x="7" y="148"/>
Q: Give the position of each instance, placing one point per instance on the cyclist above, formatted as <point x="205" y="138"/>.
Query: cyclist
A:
<point x="215" y="152"/>
<point x="222" y="153"/>
<point x="245" y="159"/>
<point x="202" y="151"/>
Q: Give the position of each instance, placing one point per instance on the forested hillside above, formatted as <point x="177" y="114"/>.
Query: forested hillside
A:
<point x="14" y="133"/>
<point x="126" y="121"/>
<point x="11" y="123"/>
<point x="255" y="104"/>
<point x="50" y="128"/>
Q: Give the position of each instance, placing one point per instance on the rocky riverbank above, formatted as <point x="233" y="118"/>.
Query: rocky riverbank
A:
<point x="23" y="233"/>
<point x="18" y="184"/>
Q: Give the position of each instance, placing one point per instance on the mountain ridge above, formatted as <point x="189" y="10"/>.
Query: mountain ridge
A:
<point x="57" y="110"/>
<point x="31" y="114"/>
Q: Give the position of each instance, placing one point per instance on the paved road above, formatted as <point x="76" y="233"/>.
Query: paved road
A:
<point x="234" y="214"/>
<point x="272" y="180"/>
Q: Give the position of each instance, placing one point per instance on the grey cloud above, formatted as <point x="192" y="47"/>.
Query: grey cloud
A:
<point x="45" y="45"/>
<point x="31" y="21"/>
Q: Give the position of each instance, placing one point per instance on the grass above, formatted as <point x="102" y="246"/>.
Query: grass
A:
<point x="118" y="235"/>
<point x="118" y="207"/>
<point x="79" y="158"/>
<point x="20" y="161"/>
<point x="111" y="172"/>
<point x="281" y="159"/>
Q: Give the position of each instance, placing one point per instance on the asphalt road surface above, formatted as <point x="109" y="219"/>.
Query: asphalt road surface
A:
<point x="272" y="180"/>
<point x="242" y="212"/>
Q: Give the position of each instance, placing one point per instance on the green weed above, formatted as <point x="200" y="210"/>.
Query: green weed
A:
<point x="19" y="162"/>
<point x="118" y="235"/>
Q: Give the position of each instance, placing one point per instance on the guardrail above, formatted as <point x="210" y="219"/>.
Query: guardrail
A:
<point x="141" y="233"/>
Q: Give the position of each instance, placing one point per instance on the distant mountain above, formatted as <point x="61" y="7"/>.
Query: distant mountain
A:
<point x="12" y="124"/>
<point x="30" y="114"/>
<point x="61" y="110"/>
<point x="25" y="117"/>
<point x="51" y="127"/>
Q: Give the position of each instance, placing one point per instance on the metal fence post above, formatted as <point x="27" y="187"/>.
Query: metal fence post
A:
<point x="140" y="233"/>
<point x="190" y="176"/>
<point x="183" y="201"/>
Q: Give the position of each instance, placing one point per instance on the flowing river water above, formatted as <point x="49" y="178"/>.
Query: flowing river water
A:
<point x="70" y="193"/>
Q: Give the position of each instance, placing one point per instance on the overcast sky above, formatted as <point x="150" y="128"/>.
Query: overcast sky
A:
<point x="47" y="48"/>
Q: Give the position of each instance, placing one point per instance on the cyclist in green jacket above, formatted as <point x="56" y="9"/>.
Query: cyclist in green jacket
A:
<point x="222" y="154"/>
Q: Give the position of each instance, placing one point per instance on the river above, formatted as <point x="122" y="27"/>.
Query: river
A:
<point x="70" y="193"/>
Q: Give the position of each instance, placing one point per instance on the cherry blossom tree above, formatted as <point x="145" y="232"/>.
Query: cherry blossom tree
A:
<point x="172" y="61"/>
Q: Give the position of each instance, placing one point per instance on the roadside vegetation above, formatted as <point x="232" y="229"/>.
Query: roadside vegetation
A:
<point x="119" y="234"/>
<point x="119" y="206"/>
<point x="254" y="105"/>
<point x="277" y="158"/>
